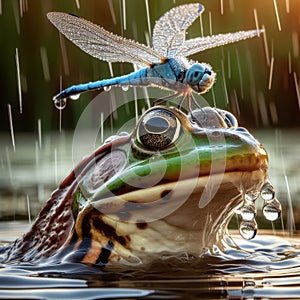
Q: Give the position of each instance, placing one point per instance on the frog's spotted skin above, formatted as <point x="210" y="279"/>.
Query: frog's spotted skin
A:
<point x="170" y="187"/>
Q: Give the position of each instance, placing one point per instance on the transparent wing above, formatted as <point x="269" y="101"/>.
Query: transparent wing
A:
<point x="101" y="43"/>
<point x="199" y="44"/>
<point x="169" y="30"/>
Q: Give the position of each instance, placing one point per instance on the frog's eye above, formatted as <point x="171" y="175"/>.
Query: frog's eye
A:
<point x="230" y="120"/>
<point x="158" y="129"/>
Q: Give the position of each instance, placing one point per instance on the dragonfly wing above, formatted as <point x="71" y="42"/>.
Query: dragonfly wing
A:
<point x="169" y="30"/>
<point x="101" y="43"/>
<point x="199" y="44"/>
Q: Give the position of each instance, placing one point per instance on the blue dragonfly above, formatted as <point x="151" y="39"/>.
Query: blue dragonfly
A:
<point x="164" y="65"/>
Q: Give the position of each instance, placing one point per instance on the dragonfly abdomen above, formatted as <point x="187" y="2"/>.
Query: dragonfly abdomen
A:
<point x="138" y="78"/>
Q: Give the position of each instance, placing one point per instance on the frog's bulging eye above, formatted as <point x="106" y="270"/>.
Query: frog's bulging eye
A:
<point x="230" y="120"/>
<point x="157" y="125"/>
<point x="158" y="129"/>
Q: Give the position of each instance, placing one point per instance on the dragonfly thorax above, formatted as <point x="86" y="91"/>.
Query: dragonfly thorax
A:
<point x="200" y="77"/>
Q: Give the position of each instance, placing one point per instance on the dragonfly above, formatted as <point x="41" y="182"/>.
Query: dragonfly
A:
<point x="164" y="65"/>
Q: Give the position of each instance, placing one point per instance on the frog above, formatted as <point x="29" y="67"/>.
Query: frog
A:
<point x="170" y="187"/>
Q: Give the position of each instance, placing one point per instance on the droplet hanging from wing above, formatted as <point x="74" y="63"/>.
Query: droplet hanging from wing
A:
<point x="199" y="44"/>
<point x="169" y="31"/>
<point x="101" y="43"/>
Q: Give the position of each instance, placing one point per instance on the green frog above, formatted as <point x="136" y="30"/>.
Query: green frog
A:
<point x="169" y="187"/>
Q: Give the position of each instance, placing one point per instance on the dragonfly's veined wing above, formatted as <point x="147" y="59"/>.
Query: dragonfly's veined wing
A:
<point x="101" y="43"/>
<point x="169" y="31"/>
<point x="199" y="44"/>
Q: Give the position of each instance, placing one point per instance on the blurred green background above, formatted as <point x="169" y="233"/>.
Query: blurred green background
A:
<point x="24" y="26"/>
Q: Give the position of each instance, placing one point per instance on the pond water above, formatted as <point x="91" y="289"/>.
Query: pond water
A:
<point x="266" y="267"/>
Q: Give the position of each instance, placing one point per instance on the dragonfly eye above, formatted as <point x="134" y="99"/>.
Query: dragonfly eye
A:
<point x="194" y="74"/>
<point x="200" y="77"/>
<point x="158" y="129"/>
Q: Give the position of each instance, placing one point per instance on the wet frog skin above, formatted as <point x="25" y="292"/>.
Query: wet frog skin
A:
<point x="169" y="187"/>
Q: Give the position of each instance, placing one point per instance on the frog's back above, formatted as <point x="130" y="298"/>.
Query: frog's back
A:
<point x="53" y="229"/>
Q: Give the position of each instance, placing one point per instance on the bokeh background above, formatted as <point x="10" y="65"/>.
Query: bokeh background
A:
<point x="257" y="80"/>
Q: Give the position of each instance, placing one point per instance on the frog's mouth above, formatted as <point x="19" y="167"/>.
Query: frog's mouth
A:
<point x="193" y="196"/>
<point x="189" y="216"/>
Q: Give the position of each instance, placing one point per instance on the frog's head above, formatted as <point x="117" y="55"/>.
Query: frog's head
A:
<point x="180" y="181"/>
<point x="170" y="187"/>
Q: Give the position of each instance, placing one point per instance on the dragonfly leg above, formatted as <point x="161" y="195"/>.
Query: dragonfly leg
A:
<point x="188" y="95"/>
<point x="191" y="97"/>
<point x="182" y="100"/>
<point x="196" y="102"/>
<point x="189" y="102"/>
<point x="165" y="99"/>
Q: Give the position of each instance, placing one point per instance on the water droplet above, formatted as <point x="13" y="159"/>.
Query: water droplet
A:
<point x="248" y="212"/>
<point x="75" y="97"/>
<point x="110" y="139"/>
<point x="125" y="88"/>
<point x="248" y="229"/>
<point x="272" y="210"/>
<point x="267" y="192"/>
<point x="251" y="195"/>
<point x="60" y="103"/>
<point x="107" y="88"/>
<point x="123" y="133"/>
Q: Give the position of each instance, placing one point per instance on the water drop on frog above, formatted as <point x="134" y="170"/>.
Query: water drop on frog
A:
<point x="75" y="97"/>
<point x="125" y="88"/>
<point x="248" y="229"/>
<point x="272" y="210"/>
<point x="252" y="195"/>
<point x="60" y="104"/>
<point x="248" y="212"/>
<point x="267" y="192"/>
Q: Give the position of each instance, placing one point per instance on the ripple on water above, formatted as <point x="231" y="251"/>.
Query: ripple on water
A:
<point x="269" y="268"/>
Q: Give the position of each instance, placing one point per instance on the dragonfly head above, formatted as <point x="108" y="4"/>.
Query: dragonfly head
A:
<point x="200" y="77"/>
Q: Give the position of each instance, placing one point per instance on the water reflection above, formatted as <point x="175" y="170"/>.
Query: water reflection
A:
<point x="266" y="267"/>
